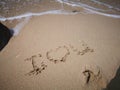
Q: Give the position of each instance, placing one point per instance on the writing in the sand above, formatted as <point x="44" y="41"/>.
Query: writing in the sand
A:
<point x="57" y="55"/>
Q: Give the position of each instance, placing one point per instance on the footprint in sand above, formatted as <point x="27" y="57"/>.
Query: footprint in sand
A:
<point x="37" y="67"/>
<point x="59" y="54"/>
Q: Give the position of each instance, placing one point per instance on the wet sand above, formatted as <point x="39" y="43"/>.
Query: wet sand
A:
<point x="62" y="52"/>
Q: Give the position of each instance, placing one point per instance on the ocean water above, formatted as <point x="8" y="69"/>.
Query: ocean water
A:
<point x="19" y="9"/>
<point x="16" y="9"/>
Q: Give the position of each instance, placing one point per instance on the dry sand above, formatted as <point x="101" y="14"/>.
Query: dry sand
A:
<point x="58" y="52"/>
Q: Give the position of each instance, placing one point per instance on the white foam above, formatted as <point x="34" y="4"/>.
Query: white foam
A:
<point x="37" y="14"/>
<point x="89" y="9"/>
<point x="19" y="26"/>
<point x="78" y="4"/>
<point x="104" y="14"/>
<point x="109" y="6"/>
<point x="27" y="17"/>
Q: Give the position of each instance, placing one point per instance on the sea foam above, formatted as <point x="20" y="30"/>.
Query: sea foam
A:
<point x="87" y="10"/>
<point x="91" y="9"/>
<point x="37" y="14"/>
<point x="27" y="17"/>
<point x="19" y="26"/>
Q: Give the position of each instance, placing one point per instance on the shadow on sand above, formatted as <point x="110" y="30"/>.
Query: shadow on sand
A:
<point x="5" y="35"/>
<point x="115" y="82"/>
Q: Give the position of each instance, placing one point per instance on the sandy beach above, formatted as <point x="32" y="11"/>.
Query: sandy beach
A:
<point x="62" y="52"/>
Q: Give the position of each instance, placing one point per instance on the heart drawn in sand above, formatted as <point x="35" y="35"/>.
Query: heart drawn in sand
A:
<point x="58" y="55"/>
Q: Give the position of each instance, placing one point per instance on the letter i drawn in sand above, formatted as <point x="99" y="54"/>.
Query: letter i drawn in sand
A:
<point x="36" y="69"/>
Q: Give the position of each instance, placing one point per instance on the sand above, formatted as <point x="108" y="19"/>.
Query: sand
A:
<point x="62" y="52"/>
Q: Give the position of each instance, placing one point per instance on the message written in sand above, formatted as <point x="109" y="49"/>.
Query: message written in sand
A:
<point x="60" y="54"/>
<point x="56" y="55"/>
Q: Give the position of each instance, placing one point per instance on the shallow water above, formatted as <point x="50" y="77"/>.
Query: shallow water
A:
<point x="16" y="13"/>
<point x="16" y="9"/>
